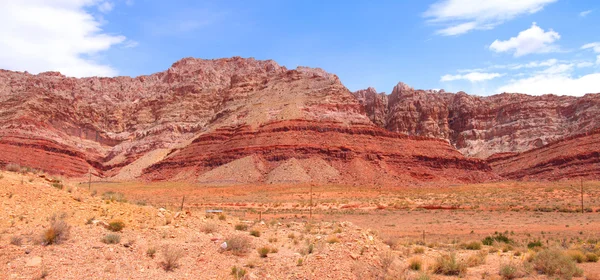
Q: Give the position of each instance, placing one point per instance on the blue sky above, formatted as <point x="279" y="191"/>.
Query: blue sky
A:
<point x="481" y="47"/>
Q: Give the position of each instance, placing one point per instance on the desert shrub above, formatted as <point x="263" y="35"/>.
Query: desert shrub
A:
<point x="263" y="251"/>
<point x="114" y="196"/>
<point x="477" y="259"/>
<point x="1" y="176"/>
<point x="332" y="240"/>
<point x="238" y="272"/>
<point x="273" y="240"/>
<point x="498" y="237"/>
<point x="57" y="233"/>
<point x="241" y="227"/>
<point x="310" y="249"/>
<point x="171" y="257"/>
<point x="533" y="244"/>
<point x="509" y="271"/>
<point x="151" y="252"/>
<point x="474" y="245"/>
<point x="57" y="185"/>
<point x="209" y="227"/>
<point x="12" y="167"/>
<point x="300" y="262"/>
<point x="222" y="217"/>
<point x="116" y="225"/>
<point x="449" y="265"/>
<point x="111" y="238"/>
<point x="238" y="244"/>
<point x="419" y="250"/>
<point x="555" y="263"/>
<point x="591" y="257"/>
<point x="255" y="233"/>
<point x="423" y="276"/>
<point x="16" y="240"/>
<point x="415" y="264"/>
<point x="576" y="255"/>
<point x="292" y="236"/>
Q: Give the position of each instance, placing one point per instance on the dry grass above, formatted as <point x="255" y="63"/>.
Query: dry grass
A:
<point x="555" y="263"/>
<point x="238" y="244"/>
<point x="209" y="227"/>
<point x="57" y="233"/>
<point x="477" y="259"/>
<point x="171" y="256"/>
<point x="415" y="264"/>
<point x="111" y="238"/>
<point x="116" y="225"/>
<point x="449" y="265"/>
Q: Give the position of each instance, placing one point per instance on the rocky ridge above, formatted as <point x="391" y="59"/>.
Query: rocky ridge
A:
<point x="482" y="126"/>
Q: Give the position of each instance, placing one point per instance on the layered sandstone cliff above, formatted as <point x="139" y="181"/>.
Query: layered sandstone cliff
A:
<point x="200" y="117"/>
<point x="482" y="126"/>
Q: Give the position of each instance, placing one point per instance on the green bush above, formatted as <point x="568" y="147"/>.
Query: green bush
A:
<point x="533" y="244"/>
<point x="509" y="271"/>
<point x="498" y="237"/>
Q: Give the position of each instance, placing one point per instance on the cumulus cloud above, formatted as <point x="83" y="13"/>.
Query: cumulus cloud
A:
<point x="461" y="16"/>
<point x="54" y="35"/>
<point x="471" y="77"/>
<point x="529" y="41"/>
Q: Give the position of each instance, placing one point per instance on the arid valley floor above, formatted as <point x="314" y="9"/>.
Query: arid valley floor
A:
<point x="272" y="232"/>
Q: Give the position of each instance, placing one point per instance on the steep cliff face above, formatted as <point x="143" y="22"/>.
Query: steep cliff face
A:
<point x="483" y="126"/>
<point x="204" y="116"/>
<point x="577" y="156"/>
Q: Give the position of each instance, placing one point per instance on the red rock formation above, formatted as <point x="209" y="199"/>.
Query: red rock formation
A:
<point x="397" y="158"/>
<point x="573" y="157"/>
<point x="210" y="113"/>
<point x="482" y="126"/>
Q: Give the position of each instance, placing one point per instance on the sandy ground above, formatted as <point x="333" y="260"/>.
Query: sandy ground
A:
<point x="355" y="233"/>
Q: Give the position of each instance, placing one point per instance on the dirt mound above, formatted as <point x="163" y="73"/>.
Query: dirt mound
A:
<point x="320" y="171"/>
<point x="246" y="170"/>
<point x="290" y="171"/>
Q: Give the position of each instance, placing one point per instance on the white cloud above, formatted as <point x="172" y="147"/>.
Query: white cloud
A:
<point x="462" y="16"/>
<point x="559" y="69"/>
<point x="130" y="44"/>
<point x="471" y="77"/>
<point x="596" y="48"/>
<point x="560" y="84"/>
<point x="535" y="64"/>
<point x="53" y="35"/>
<point x="105" y="7"/>
<point x="585" y="13"/>
<point x="584" y="64"/>
<point x="532" y="40"/>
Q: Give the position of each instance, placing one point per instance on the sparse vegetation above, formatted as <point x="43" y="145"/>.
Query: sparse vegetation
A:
<point x="255" y="233"/>
<point x="419" y="250"/>
<point x="473" y="245"/>
<point x="554" y="263"/>
<point x="263" y="251"/>
<point x="591" y="257"/>
<point x="509" y="271"/>
<point x="57" y="233"/>
<point x="111" y="238"/>
<point x="151" y="252"/>
<point x="241" y="227"/>
<point x="12" y="167"/>
<point x="415" y="264"/>
<point x="477" y="259"/>
<point x="497" y="237"/>
<point x="171" y="257"/>
<point x="449" y="265"/>
<point x="238" y="272"/>
<point x="208" y="227"/>
<point x="238" y="244"/>
<point x="16" y="240"/>
<point x="116" y="225"/>
<point x="534" y="244"/>
<point x="114" y="196"/>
